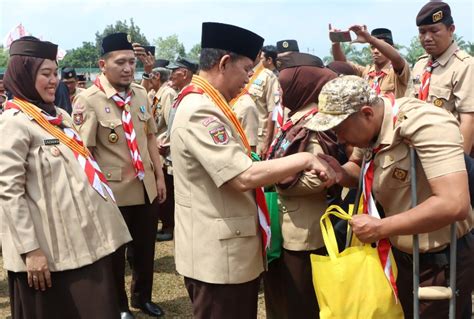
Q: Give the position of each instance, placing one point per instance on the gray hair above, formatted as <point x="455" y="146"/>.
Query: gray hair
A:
<point x="164" y="73"/>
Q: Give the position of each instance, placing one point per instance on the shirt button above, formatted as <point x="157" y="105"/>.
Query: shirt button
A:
<point x="109" y="175"/>
<point x="237" y="232"/>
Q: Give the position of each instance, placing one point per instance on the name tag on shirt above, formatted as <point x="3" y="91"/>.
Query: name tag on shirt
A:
<point x="52" y="141"/>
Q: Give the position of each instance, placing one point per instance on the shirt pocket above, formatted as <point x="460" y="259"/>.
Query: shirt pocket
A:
<point x="112" y="131"/>
<point x="441" y="97"/>
<point x="112" y="173"/>
<point x="395" y="166"/>
<point x="236" y="227"/>
<point x="256" y="90"/>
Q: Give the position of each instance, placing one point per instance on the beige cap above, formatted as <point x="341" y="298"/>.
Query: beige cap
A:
<point x="340" y="98"/>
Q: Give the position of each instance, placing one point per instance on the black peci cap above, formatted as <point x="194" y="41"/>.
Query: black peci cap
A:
<point x="31" y="46"/>
<point x="434" y="12"/>
<point x="383" y="34"/>
<point x="81" y="78"/>
<point x="68" y="73"/>
<point x="298" y="59"/>
<point x="287" y="46"/>
<point x="116" y="42"/>
<point x="183" y="63"/>
<point x="231" y="38"/>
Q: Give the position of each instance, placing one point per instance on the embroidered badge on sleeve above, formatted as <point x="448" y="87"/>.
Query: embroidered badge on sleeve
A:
<point x="219" y="135"/>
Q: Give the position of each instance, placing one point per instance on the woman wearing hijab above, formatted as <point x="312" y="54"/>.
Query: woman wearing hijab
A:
<point x="303" y="197"/>
<point x="60" y="223"/>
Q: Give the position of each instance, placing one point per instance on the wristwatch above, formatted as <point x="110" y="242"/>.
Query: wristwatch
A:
<point x="146" y="76"/>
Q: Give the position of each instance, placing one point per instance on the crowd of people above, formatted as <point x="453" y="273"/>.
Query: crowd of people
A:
<point x="87" y="173"/>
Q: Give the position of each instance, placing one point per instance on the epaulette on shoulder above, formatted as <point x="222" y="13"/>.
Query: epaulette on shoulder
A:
<point x="462" y="55"/>
<point x="423" y="56"/>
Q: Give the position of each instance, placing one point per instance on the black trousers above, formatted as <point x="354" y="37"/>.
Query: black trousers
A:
<point x="142" y="221"/>
<point x="298" y="281"/>
<point x="223" y="301"/>
<point x="274" y="289"/>
<point x="433" y="273"/>
<point x="166" y="211"/>
<point x="86" y="292"/>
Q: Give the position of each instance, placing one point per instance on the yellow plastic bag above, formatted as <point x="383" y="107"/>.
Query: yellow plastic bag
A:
<point x="351" y="284"/>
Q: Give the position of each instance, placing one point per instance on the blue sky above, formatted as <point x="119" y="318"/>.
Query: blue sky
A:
<point x="70" y="22"/>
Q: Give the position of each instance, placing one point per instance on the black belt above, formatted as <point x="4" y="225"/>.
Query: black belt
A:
<point x="440" y="258"/>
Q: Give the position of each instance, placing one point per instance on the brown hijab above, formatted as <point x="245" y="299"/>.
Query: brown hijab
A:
<point x="301" y="85"/>
<point x="20" y="76"/>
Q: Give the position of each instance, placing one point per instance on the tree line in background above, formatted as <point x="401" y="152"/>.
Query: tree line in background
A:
<point x="170" y="48"/>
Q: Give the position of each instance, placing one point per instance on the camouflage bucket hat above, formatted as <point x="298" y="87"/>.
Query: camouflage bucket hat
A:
<point x="340" y="98"/>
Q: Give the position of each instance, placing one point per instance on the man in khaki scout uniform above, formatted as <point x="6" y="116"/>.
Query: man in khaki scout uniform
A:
<point x="265" y="93"/>
<point x="69" y="77"/>
<point x="389" y="72"/>
<point x="445" y="75"/>
<point x="218" y="234"/>
<point x="161" y="103"/>
<point x="382" y="134"/>
<point x="115" y="121"/>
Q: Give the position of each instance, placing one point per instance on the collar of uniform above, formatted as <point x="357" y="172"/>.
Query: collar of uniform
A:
<point x="386" y="68"/>
<point x="108" y="88"/>
<point x="301" y="112"/>
<point x="386" y="132"/>
<point x="444" y="58"/>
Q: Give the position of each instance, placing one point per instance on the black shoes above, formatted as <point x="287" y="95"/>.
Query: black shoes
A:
<point x="150" y="308"/>
<point x="164" y="236"/>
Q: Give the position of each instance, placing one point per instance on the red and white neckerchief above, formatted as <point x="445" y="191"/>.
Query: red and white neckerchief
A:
<point x="91" y="168"/>
<point x="425" y="80"/>
<point x="278" y="115"/>
<point x="94" y="175"/>
<point x="128" y="129"/>
<point x="376" y="77"/>
<point x="384" y="247"/>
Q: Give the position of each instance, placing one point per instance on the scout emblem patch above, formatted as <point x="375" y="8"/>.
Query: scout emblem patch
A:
<point x="438" y="102"/>
<point x="400" y="174"/>
<point x="113" y="137"/>
<point x="78" y="118"/>
<point x="219" y="135"/>
<point x="142" y="109"/>
<point x="285" y="44"/>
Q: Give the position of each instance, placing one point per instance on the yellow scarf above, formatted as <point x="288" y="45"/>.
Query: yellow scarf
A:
<point x="218" y="99"/>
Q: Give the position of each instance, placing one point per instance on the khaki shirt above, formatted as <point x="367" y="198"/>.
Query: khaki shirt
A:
<point x="161" y="103"/>
<point x="391" y="82"/>
<point x="303" y="204"/>
<point x="265" y="92"/>
<point x="217" y="237"/>
<point x="247" y="113"/>
<point x="76" y="93"/>
<point x="451" y="81"/>
<point x="46" y="200"/>
<point x="100" y="119"/>
<point x="438" y="142"/>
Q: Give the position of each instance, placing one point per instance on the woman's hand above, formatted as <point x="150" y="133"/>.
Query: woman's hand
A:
<point x="37" y="268"/>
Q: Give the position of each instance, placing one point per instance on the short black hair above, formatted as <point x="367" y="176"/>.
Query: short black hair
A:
<point x="270" y="51"/>
<point x="210" y="57"/>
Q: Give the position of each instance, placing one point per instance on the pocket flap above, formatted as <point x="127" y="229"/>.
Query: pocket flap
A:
<point x="236" y="227"/>
<point x="394" y="155"/>
<point x="144" y="116"/>
<point x="111" y="123"/>
<point x="112" y="173"/>
<point x="440" y="92"/>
